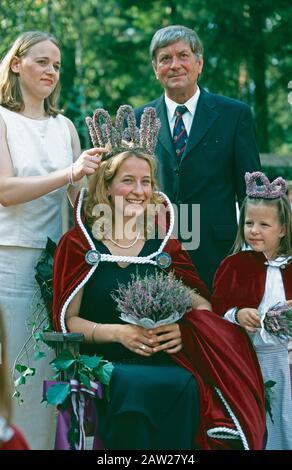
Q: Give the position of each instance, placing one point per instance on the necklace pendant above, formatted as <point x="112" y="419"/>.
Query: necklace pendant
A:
<point x="125" y="246"/>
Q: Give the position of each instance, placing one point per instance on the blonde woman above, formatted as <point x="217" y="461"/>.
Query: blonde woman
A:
<point x="39" y="160"/>
<point x="166" y="378"/>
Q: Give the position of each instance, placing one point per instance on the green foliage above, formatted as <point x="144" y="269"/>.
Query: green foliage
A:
<point x="57" y="394"/>
<point x="269" y="392"/>
<point x="105" y="60"/>
<point x="84" y="369"/>
<point x="44" y="278"/>
<point x="273" y="172"/>
<point x="80" y="367"/>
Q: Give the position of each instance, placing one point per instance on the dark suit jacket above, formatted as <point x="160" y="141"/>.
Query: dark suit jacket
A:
<point x="221" y="147"/>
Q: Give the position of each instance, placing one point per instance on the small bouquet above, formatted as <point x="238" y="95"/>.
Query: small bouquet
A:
<point x="153" y="300"/>
<point x="278" y="321"/>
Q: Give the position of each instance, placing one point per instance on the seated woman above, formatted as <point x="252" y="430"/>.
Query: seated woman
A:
<point x="179" y="386"/>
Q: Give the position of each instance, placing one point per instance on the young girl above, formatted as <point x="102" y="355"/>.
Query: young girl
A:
<point x="248" y="283"/>
<point x="38" y="146"/>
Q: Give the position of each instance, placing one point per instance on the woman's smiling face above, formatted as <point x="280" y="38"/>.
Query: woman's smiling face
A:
<point x="131" y="189"/>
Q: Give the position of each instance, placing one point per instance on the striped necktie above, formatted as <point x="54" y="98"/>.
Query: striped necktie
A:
<point x="180" y="135"/>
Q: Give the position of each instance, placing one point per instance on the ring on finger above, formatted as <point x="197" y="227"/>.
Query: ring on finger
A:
<point x="142" y="346"/>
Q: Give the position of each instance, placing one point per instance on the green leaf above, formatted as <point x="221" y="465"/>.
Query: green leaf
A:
<point x="64" y="360"/>
<point x="20" y="381"/>
<point x="29" y="371"/>
<point x="20" y="368"/>
<point x="18" y="397"/>
<point x="56" y="376"/>
<point x="270" y="383"/>
<point x="25" y="371"/>
<point x="84" y="379"/>
<point x="38" y="336"/>
<point x="106" y="373"/>
<point x="57" y="394"/>
<point x="39" y="355"/>
<point x="90" y="361"/>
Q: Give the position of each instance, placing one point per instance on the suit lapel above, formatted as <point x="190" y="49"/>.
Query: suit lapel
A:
<point x="164" y="136"/>
<point x="204" y="117"/>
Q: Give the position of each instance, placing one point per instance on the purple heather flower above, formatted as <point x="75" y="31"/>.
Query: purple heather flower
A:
<point x="278" y="320"/>
<point x="155" y="297"/>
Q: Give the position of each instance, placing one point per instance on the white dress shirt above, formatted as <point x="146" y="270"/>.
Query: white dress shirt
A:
<point x="188" y="116"/>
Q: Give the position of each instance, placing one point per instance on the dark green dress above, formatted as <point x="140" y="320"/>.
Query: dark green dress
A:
<point x="154" y="403"/>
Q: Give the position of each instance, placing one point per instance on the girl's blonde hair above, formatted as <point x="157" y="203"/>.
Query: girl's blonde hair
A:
<point x="100" y="181"/>
<point x="5" y="390"/>
<point x="283" y="208"/>
<point x="10" y="92"/>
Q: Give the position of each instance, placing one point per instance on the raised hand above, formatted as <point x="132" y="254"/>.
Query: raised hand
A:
<point x="87" y="163"/>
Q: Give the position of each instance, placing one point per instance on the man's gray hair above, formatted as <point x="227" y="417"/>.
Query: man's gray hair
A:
<point x="165" y="36"/>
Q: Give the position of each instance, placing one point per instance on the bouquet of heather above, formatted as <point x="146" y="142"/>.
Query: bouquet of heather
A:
<point x="153" y="300"/>
<point x="278" y="321"/>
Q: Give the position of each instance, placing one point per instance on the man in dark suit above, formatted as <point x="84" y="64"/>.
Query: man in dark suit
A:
<point x="219" y="147"/>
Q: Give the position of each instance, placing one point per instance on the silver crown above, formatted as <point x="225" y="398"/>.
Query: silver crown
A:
<point x="266" y="190"/>
<point x="104" y="134"/>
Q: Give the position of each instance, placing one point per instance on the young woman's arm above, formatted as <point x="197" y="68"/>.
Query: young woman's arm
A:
<point x="72" y="191"/>
<point x="17" y="190"/>
<point x="131" y="337"/>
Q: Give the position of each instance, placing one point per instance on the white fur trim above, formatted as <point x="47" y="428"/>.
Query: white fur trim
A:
<point x="239" y="432"/>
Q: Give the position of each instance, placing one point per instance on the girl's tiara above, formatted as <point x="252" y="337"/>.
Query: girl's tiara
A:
<point x="104" y="134"/>
<point x="266" y="190"/>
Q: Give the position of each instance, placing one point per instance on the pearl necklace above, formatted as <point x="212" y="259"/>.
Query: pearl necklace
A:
<point x="125" y="246"/>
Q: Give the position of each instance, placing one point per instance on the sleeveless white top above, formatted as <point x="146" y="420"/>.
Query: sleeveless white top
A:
<point x="36" y="149"/>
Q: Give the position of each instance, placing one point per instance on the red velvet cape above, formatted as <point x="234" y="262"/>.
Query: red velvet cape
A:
<point x="240" y="281"/>
<point x="17" y="442"/>
<point x="215" y="351"/>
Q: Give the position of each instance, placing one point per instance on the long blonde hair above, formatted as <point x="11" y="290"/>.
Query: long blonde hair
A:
<point x="5" y="389"/>
<point x="10" y="92"/>
<point x="100" y="181"/>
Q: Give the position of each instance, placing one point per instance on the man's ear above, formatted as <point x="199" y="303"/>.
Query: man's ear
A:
<point x="15" y="64"/>
<point x="283" y="231"/>
<point x="155" y="68"/>
<point x="200" y="62"/>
